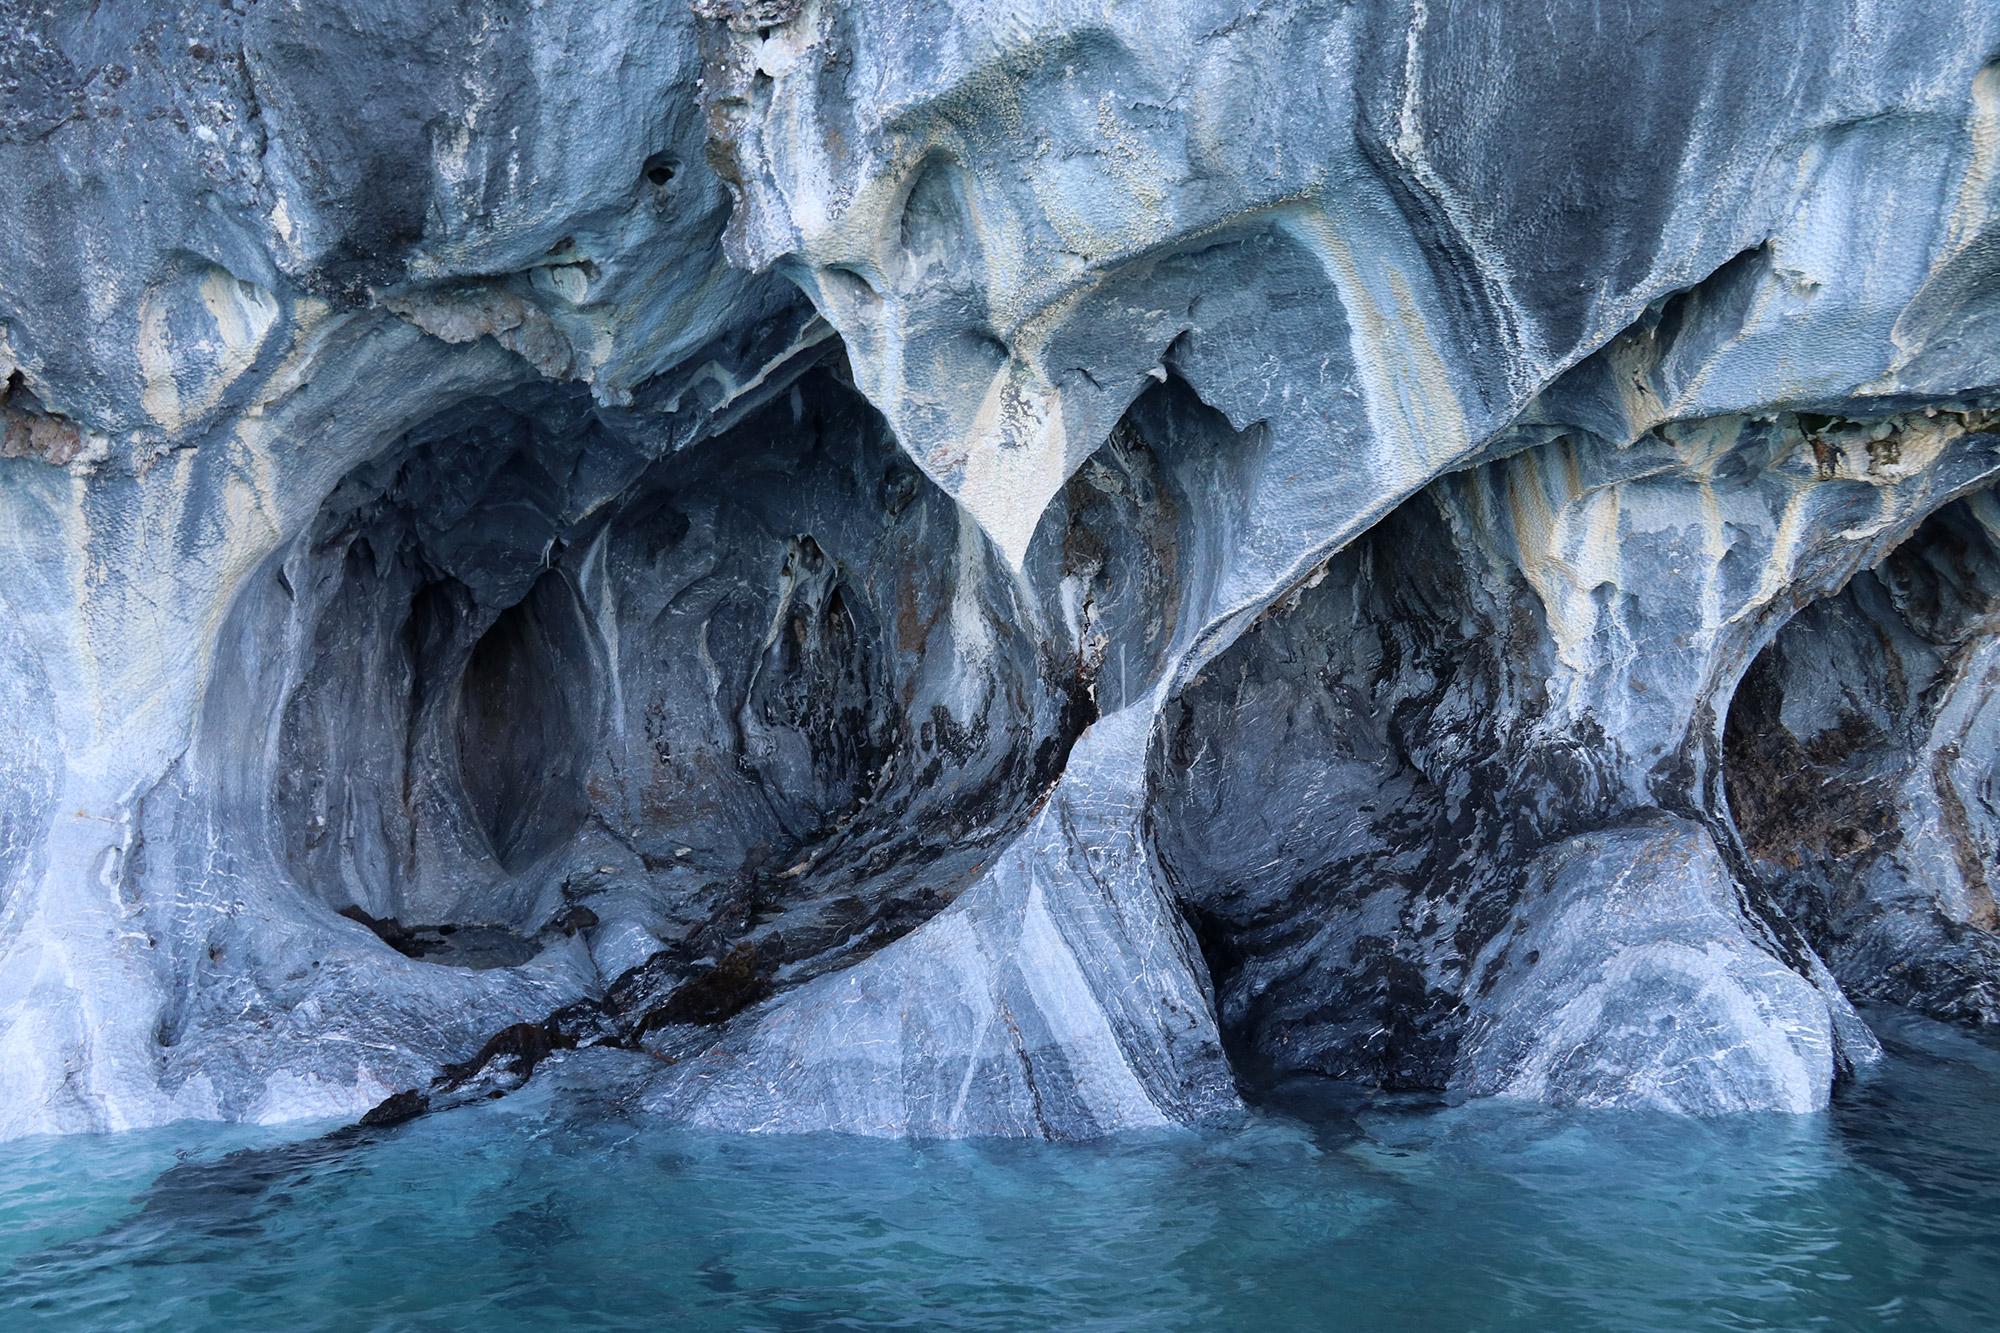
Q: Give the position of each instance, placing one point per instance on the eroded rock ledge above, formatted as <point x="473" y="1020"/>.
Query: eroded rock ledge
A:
<point x="958" y="571"/>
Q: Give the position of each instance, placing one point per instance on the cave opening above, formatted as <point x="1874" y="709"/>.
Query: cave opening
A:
<point x="1859" y="770"/>
<point x="1312" y="789"/>
<point x="444" y="684"/>
<point x="525" y="721"/>
<point x="753" y="704"/>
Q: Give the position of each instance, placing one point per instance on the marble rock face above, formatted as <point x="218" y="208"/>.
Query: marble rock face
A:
<point x="956" y="569"/>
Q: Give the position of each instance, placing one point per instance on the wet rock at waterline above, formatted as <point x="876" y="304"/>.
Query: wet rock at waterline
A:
<point x="971" y="573"/>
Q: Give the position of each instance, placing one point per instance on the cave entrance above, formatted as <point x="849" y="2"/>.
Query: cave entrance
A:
<point x="526" y="718"/>
<point x="765" y="701"/>
<point x="448" y="686"/>
<point x="1859" y="760"/>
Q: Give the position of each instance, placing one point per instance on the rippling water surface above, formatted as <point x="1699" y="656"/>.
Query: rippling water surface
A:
<point x="1330" y="1211"/>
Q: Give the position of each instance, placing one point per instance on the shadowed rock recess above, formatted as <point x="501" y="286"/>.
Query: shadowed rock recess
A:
<point x="947" y="569"/>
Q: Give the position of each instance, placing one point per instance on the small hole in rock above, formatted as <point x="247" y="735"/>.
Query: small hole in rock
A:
<point x="660" y="169"/>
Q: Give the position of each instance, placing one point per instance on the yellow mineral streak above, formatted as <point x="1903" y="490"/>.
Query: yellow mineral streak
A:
<point x="1415" y="413"/>
<point x="243" y="313"/>
<point x="1983" y="129"/>
<point x="160" y="394"/>
<point x="184" y="378"/>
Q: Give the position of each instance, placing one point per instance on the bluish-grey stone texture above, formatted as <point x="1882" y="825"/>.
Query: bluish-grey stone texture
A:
<point x="946" y="568"/>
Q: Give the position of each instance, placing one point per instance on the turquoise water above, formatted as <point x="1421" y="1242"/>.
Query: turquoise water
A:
<point x="1331" y="1210"/>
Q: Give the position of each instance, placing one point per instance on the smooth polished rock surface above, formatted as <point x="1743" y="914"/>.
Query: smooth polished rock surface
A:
<point x="953" y="569"/>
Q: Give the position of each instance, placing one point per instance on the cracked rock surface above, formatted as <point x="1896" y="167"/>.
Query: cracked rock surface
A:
<point x="942" y="569"/>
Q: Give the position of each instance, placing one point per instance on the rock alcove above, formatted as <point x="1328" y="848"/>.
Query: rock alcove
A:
<point x="525" y="679"/>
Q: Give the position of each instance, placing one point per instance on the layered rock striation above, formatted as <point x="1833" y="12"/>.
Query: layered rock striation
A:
<point x="948" y="569"/>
